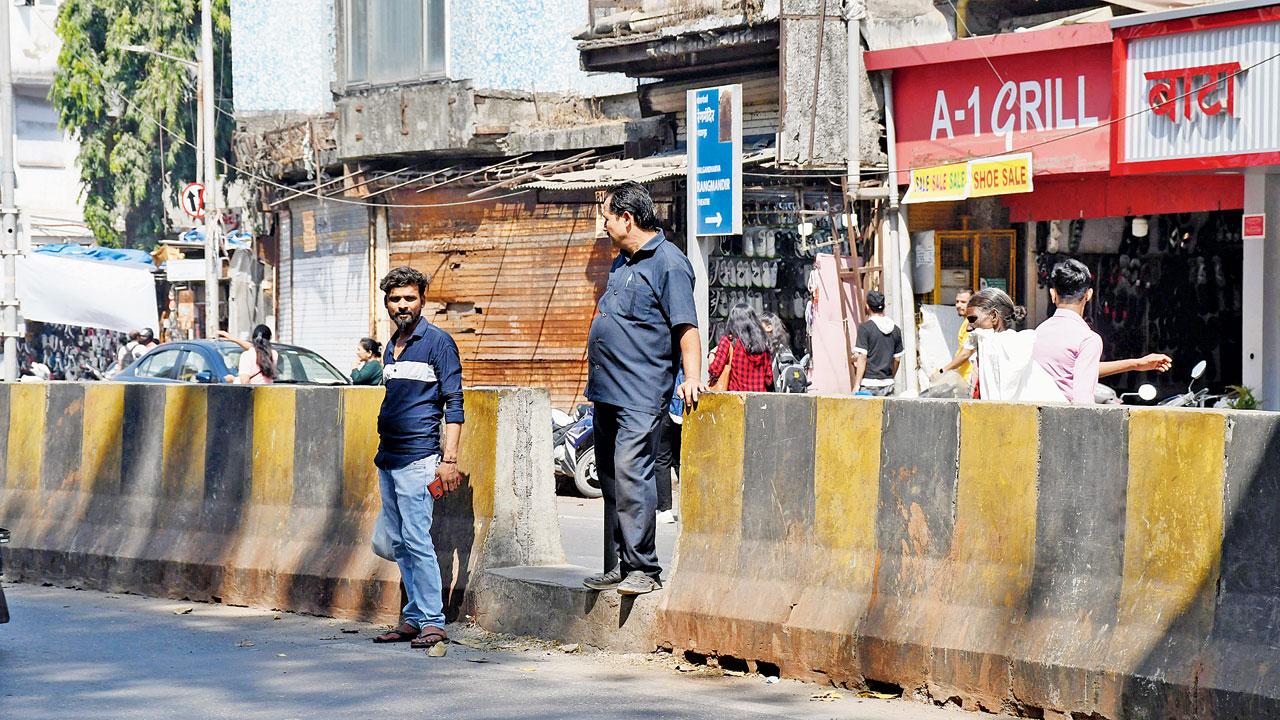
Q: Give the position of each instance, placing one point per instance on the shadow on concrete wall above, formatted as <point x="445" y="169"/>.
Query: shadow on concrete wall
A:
<point x="173" y="501"/>
<point x="1224" y="665"/>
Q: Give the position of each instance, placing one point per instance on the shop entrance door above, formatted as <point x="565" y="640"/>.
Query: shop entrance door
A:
<point x="972" y="260"/>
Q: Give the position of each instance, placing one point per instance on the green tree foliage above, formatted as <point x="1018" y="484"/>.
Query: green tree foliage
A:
<point x="111" y="98"/>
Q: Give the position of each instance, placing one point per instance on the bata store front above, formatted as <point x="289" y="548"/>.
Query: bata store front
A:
<point x="1005" y="145"/>
<point x="1198" y="90"/>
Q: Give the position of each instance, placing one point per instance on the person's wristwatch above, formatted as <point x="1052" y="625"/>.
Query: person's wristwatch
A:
<point x="448" y="462"/>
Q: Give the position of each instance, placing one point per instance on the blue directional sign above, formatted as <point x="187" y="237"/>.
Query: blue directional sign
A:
<point x="715" y="159"/>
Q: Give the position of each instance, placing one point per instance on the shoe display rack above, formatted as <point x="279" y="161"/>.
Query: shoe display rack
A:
<point x="1176" y="290"/>
<point x="768" y="265"/>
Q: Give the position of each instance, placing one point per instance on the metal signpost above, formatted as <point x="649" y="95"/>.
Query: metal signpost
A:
<point x="9" y="209"/>
<point x="209" y="157"/>
<point x="714" y="181"/>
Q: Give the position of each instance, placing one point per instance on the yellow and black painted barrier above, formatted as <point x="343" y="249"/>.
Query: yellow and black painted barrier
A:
<point x="1006" y="557"/>
<point x="256" y="496"/>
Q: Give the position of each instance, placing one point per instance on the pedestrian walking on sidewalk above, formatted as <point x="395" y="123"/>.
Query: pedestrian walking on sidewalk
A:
<point x="368" y="369"/>
<point x="743" y="353"/>
<point x="878" y="352"/>
<point x="423" y="376"/>
<point x="645" y="325"/>
<point x="124" y="355"/>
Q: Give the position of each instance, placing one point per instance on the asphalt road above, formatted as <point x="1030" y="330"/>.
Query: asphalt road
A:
<point x="582" y="533"/>
<point x="89" y="655"/>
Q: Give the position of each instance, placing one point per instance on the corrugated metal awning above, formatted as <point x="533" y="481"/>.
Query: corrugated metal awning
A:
<point x="612" y="173"/>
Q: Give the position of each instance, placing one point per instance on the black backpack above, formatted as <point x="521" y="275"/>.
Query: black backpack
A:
<point x="788" y="374"/>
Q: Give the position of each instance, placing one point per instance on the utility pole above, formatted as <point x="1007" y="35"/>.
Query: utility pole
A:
<point x="209" y="159"/>
<point x="8" y="206"/>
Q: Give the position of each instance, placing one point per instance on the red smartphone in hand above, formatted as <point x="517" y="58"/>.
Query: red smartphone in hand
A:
<point x="436" y="488"/>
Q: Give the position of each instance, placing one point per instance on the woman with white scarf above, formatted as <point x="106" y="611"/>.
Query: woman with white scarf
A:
<point x="1004" y="367"/>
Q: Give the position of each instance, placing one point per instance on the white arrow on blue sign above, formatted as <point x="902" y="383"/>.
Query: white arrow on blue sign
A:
<point x="715" y="159"/>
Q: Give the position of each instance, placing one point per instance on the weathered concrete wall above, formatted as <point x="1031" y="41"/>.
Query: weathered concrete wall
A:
<point x="524" y="45"/>
<point x="455" y="119"/>
<point x="263" y="496"/>
<point x="283" y="56"/>
<point x="1045" y="561"/>
<point x="886" y="23"/>
<point x="803" y="72"/>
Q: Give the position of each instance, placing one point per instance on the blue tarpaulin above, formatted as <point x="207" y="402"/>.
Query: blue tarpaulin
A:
<point x="234" y="240"/>
<point x="96" y="252"/>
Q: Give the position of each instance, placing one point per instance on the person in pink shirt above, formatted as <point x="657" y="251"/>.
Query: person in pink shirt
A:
<point x="1068" y="349"/>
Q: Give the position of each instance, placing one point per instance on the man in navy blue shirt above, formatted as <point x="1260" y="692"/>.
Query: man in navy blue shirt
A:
<point x="423" y="377"/>
<point x="646" y="324"/>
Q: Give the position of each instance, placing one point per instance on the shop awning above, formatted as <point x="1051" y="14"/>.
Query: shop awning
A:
<point x="612" y="173"/>
<point x="107" y="293"/>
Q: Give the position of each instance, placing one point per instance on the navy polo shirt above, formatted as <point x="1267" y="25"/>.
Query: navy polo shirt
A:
<point x="424" y="385"/>
<point x="632" y="350"/>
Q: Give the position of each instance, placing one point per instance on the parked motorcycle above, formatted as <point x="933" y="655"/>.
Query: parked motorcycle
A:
<point x="573" y="446"/>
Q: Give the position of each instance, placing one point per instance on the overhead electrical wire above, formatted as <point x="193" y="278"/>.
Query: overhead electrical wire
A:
<point x="874" y="173"/>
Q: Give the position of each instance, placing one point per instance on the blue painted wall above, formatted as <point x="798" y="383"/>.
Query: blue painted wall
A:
<point x="283" y="55"/>
<point x="524" y="45"/>
<point x="284" y="52"/>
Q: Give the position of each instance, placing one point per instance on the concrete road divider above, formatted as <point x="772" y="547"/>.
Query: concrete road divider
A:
<point x="1044" y="561"/>
<point x="263" y="496"/>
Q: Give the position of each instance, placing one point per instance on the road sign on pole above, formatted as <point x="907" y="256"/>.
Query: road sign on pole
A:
<point x="715" y="159"/>
<point x="192" y="200"/>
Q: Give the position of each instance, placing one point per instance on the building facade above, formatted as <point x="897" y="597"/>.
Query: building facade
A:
<point x="407" y="153"/>
<point x="48" y="190"/>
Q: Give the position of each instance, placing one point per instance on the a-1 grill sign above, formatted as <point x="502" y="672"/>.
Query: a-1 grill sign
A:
<point x="1048" y="92"/>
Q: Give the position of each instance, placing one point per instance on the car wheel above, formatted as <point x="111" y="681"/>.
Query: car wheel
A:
<point x="585" y="477"/>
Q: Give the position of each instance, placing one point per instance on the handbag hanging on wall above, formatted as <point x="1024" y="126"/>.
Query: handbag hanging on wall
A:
<point x="722" y="382"/>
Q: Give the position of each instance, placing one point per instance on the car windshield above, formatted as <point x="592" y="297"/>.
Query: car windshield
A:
<point x="303" y="366"/>
<point x="296" y="365"/>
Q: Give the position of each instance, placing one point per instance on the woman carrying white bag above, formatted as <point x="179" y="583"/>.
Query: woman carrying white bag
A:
<point x="1004" y="367"/>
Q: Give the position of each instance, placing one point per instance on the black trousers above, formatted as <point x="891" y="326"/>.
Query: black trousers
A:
<point x="626" y="455"/>
<point x="668" y="458"/>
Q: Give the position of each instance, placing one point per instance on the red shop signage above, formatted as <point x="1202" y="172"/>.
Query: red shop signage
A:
<point x="1047" y="92"/>
<point x="1195" y="93"/>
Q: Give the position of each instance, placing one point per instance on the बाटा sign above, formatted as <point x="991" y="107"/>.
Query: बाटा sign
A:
<point x="984" y="177"/>
<point x="715" y="159"/>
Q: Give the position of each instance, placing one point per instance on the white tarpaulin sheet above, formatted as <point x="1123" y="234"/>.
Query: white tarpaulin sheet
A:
<point x="87" y="293"/>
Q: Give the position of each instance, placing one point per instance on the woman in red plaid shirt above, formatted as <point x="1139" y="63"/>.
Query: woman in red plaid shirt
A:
<point x="751" y="366"/>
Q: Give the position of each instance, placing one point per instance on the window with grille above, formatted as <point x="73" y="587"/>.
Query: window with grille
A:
<point x="390" y="41"/>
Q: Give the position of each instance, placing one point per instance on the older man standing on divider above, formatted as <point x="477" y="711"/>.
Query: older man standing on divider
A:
<point x="423" y="377"/>
<point x="645" y="324"/>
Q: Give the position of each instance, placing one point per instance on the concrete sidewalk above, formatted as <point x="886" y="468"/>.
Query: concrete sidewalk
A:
<point x="91" y="655"/>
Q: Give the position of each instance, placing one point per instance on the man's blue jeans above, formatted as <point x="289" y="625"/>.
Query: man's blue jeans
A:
<point x="407" y="509"/>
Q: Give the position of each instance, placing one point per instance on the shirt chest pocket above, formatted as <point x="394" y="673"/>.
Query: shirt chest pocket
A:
<point x="638" y="302"/>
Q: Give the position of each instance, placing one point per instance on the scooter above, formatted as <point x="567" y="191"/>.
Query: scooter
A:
<point x="1147" y="393"/>
<point x="573" y="449"/>
<point x="1193" y="397"/>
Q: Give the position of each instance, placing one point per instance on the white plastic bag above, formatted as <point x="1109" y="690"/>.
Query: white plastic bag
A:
<point x="382" y="539"/>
